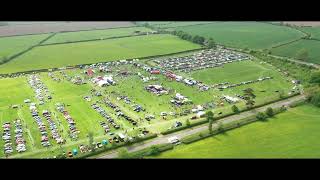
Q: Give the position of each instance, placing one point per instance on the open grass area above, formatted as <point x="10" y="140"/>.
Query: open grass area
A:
<point x="314" y="31"/>
<point x="253" y="35"/>
<point x="291" y="50"/>
<point x="12" y="45"/>
<point x="96" y="51"/>
<point x="171" y="24"/>
<point x="65" y="37"/>
<point x="292" y="134"/>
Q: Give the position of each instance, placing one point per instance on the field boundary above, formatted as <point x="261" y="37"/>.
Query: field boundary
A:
<point x="79" y="65"/>
<point x="96" y="39"/>
<point x="28" y="49"/>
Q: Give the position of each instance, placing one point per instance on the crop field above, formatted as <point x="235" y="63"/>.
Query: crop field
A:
<point x="292" y="134"/>
<point x="60" y="26"/>
<point x="253" y="35"/>
<point x="65" y="37"/>
<point x="13" y="45"/>
<point x="291" y="50"/>
<point x="52" y="56"/>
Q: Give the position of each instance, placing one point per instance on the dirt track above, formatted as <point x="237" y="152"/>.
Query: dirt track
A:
<point x="38" y="28"/>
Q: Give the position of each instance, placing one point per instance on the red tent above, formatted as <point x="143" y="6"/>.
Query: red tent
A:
<point x="155" y="72"/>
<point x="90" y="72"/>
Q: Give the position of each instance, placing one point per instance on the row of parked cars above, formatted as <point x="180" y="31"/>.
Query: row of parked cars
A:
<point x="6" y="136"/>
<point x="42" y="127"/>
<point x="103" y="113"/>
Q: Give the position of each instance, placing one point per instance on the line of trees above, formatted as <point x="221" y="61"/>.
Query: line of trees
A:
<point x="210" y="43"/>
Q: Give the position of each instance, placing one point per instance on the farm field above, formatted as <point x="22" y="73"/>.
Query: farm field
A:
<point x="12" y="45"/>
<point x="65" y="37"/>
<point x="254" y="35"/>
<point x="292" y="134"/>
<point x="291" y="50"/>
<point x="48" y="27"/>
<point x="45" y="57"/>
<point x="176" y="23"/>
<point x="314" y="31"/>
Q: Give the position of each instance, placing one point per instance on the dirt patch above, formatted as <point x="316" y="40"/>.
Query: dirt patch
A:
<point x="48" y="27"/>
<point x="303" y="23"/>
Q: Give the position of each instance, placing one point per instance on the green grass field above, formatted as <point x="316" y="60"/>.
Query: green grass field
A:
<point x="253" y="35"/>
<point x="13" y="45"/>
<point x="293" y="134"/>
<point x="94" y="34"/>
<point x="292" y="49"/>
<point x="314" y="31"/>
<point x="176" y="23"/>
<point x="96" y="51"/>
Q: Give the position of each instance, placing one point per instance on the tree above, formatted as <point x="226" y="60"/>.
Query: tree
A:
<point x="154" y="150"/>
<point x="90" y="138"/>
<point x="302" y="54"/>
<point x="261" y="116"/>
<point x="188" y="122"/>
<point x="209" y="116"/>
<point x="249" y="96"/>
<point x="235" y="109"/>
<point x="211" y="43"/>
<point x="269" y="112"/>
<point x="315" y="78"/>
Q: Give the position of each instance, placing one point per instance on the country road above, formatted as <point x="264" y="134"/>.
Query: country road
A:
<point x="187" y="132"/>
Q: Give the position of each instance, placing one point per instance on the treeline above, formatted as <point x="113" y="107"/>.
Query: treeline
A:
<point x="210" y="43"/>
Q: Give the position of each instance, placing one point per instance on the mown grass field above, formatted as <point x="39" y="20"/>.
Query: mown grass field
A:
<point x="94" y="34"/>
<point x="291" y="50"/>
<point x="13" y="45"/>
<point x="255" y="35"/>
<point x="293" y="134"/>
<point x="44" y="57"/>
<point x="314" y="31"/>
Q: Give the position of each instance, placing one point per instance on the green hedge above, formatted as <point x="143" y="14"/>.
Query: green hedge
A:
<point x="149" y="151"/>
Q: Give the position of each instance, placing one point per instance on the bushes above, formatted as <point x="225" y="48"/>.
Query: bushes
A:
<point x="269" y="112"/>
<point x="150" y="151"/>
<point x="235" y="109"/>
<point x="261" y="116"/>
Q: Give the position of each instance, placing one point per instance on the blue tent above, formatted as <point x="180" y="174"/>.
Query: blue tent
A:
<point x="104" y="142"/>
<point x="74" y="151"/>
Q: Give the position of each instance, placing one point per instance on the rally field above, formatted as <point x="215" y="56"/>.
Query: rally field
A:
<point x="255" y="35"/>
<point x="66" y="37"/>
<point x="54" y="56"/>
<point x="64" y="91"/>
<point x="292" y="134"/>
<point x="292" y="49"/>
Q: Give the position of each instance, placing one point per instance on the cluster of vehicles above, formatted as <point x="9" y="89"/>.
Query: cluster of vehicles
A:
<point x="71" y="123"/>
<point x="103" y="113"/>
<point x="42" y="127"/>
<point x="6" y="136"/>
<point x="53" y="127"/>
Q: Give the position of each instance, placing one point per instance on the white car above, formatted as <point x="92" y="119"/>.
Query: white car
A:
<point x="174" y="140"/>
